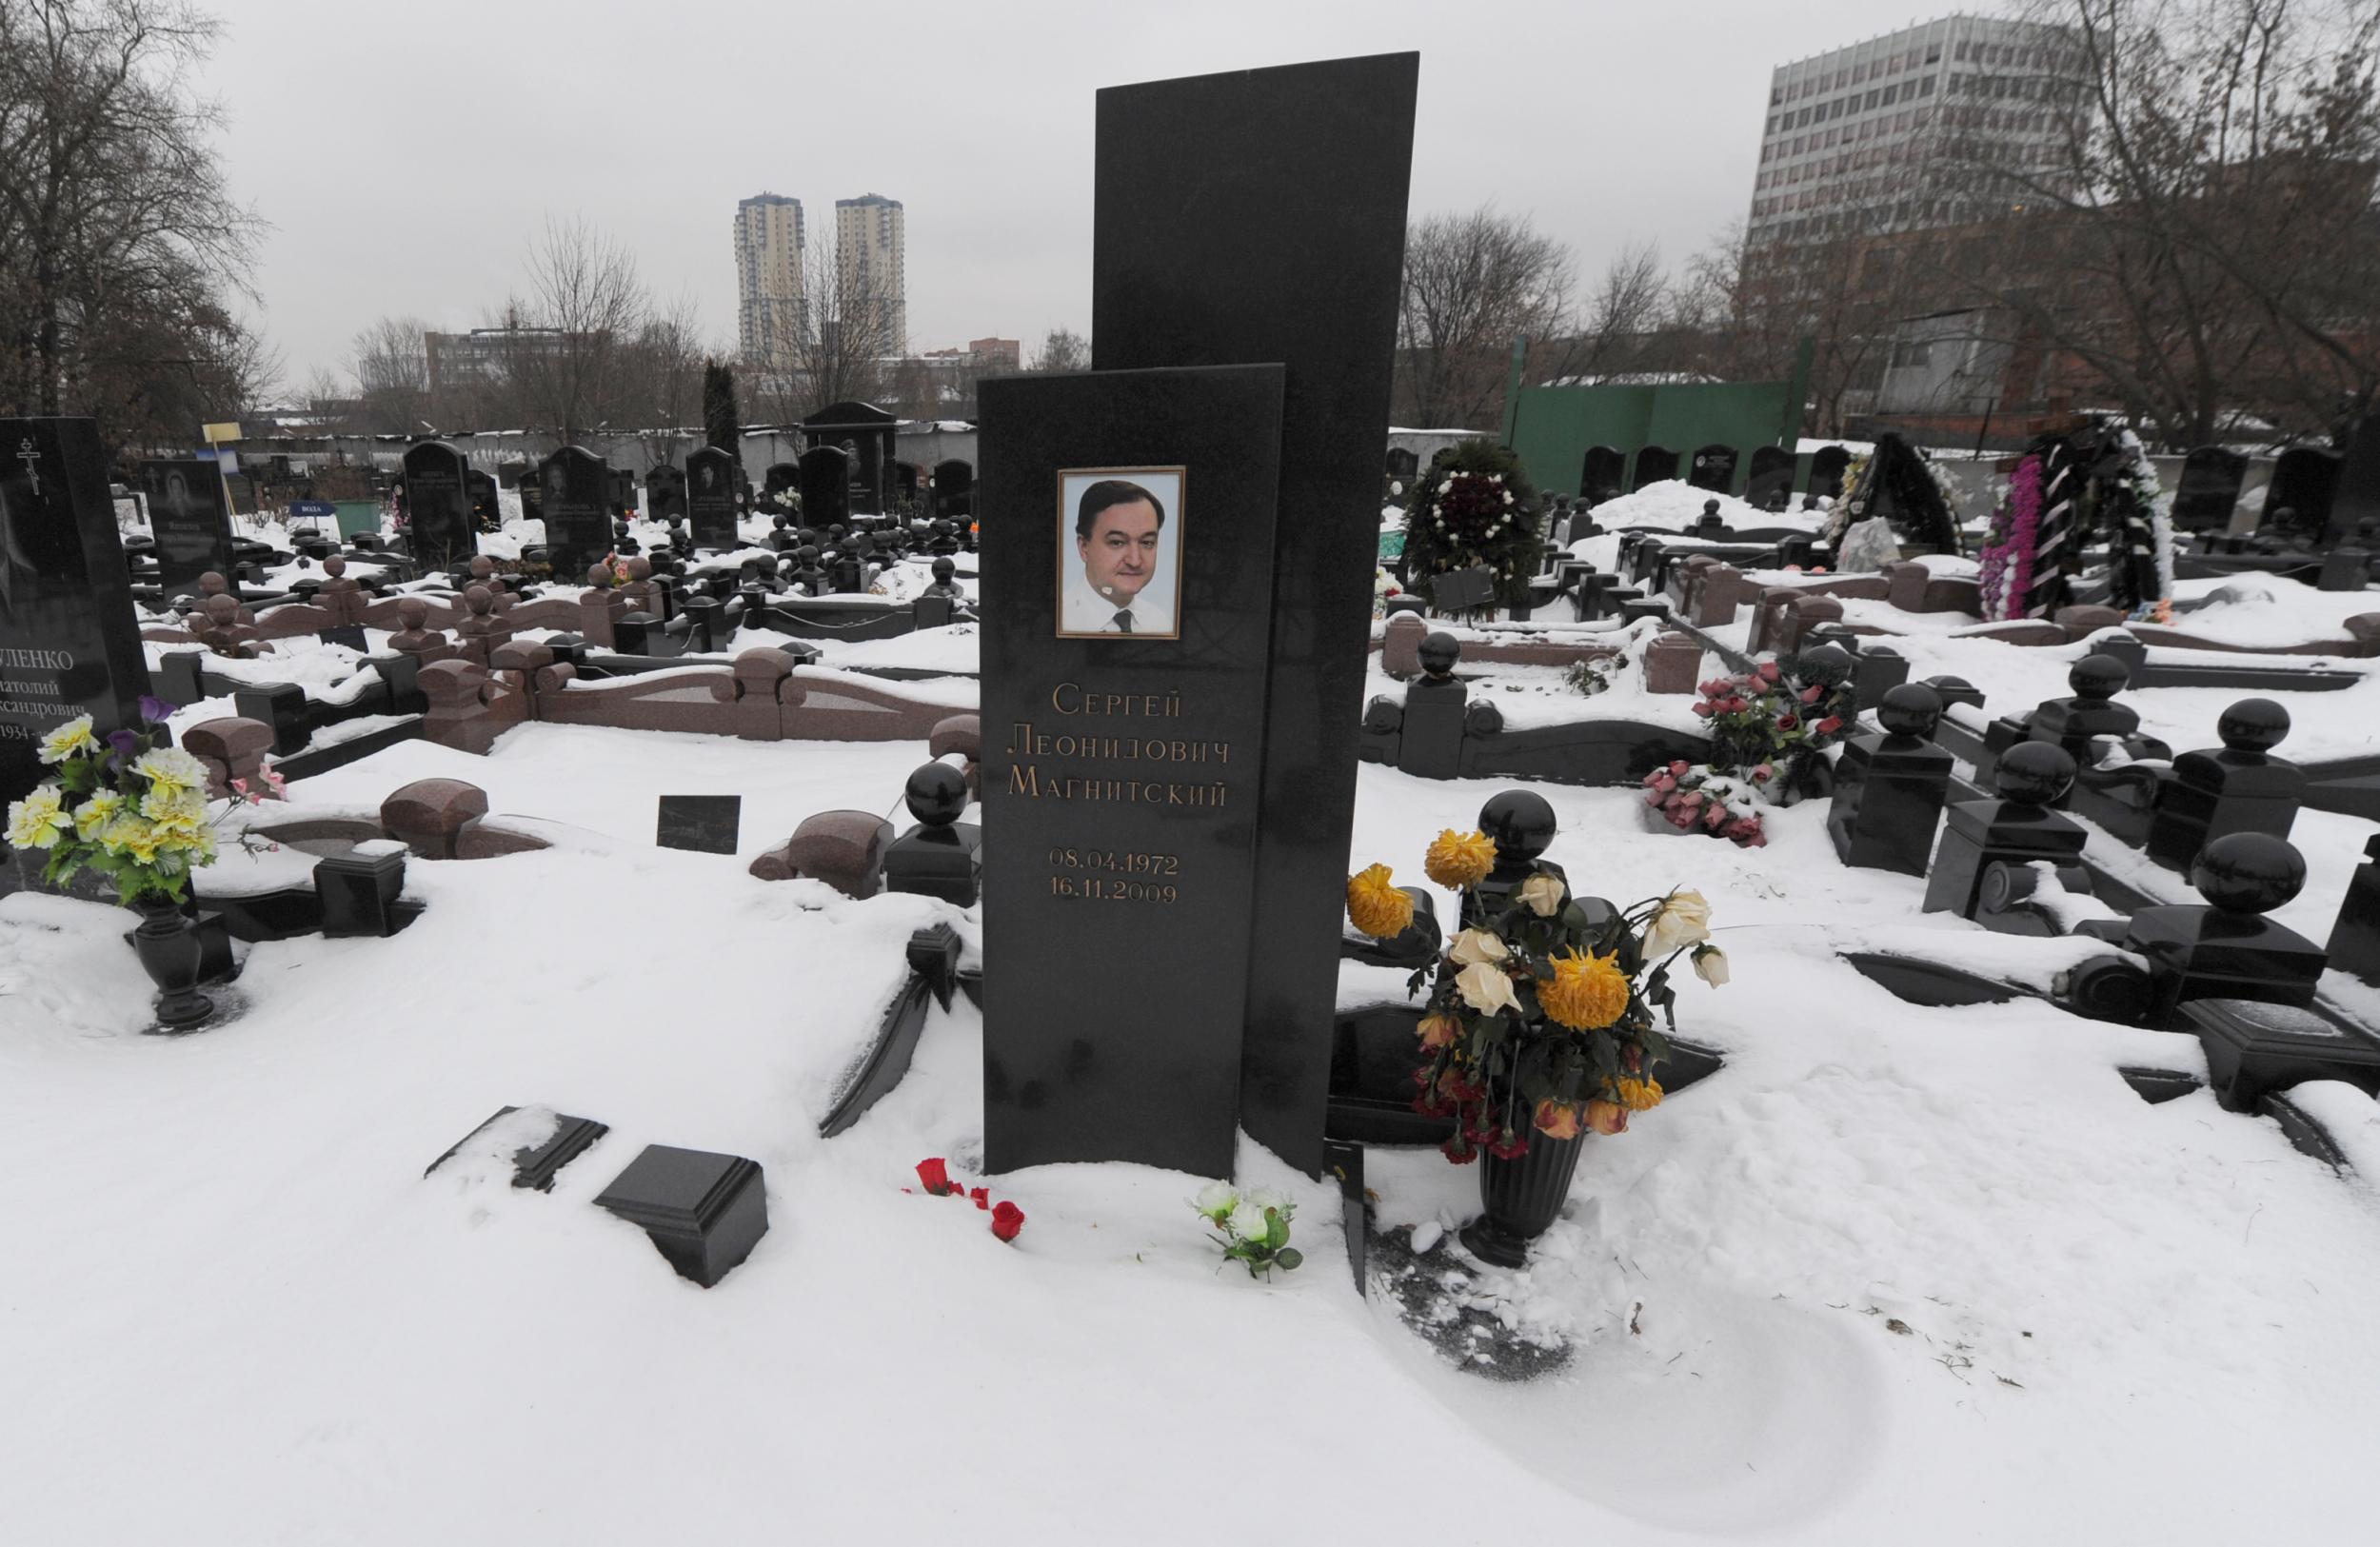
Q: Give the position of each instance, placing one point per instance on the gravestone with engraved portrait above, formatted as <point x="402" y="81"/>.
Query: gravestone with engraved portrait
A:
<point x="189" y="520"/>
<point x="710" y="498"/>
<point x="69" y="639"/>
<point x="577" y="491"/>
<point x="437" y="505"/>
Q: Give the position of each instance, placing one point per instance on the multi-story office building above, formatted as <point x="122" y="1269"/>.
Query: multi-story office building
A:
<point x="1892" y="134"/>
<point x="771" y="243"/>
<point x="868" y="252"/>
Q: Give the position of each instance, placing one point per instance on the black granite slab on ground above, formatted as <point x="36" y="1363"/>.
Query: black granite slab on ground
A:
<point x="703" y="1212"/>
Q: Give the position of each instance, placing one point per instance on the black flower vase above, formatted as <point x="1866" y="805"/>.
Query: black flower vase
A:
<point x="167" y="943"/>
<point x="1520" y="1198"/>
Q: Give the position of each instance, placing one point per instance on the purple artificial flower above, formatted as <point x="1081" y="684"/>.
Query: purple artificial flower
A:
<point x="156" y="710"/>
<point x="127" y="742"/>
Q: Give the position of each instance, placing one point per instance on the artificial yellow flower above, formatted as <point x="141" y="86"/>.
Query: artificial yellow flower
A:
<point x="1379" y="908"/>
<point x="1639" y="1095"/>
<point x="98" y="809"/>
<point x="68" y="740"/>
<point x="1439" y="1030"/>
<point x="132" y="834"/>
<point x="1683" y="919"/>
<point x="1542" y="893"/>
<point x="169" y="768"/>
<point x="1585" y="991"/>
<point x="36" y="821"/>
<point x="1485" y="988"/>
<point x="177" y="810"/>
<point x="1459" y="859"/>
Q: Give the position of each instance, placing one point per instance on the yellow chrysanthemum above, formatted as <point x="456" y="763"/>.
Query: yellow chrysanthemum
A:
<point x="68" y="740"/>
<point x="1459" y="859"/>
<point x="1585" y="991"/>
<point x="100" y="808"/>
<point x="36" y="821"/>
<point x="1379" y="908"/>
<point x="1639" y="1095"/>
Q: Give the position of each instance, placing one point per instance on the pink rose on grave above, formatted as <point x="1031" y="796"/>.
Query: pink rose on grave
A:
<point x="1769" y="672"/>
<point x="1679" y="768"/>
<point x="1793" y="569"/>
<point x="1763" y="772"/>
<point x="1829" y="725"/>
<point x="1653" y="797"/>
<point x="1813" y="693"/>
<point x="1786" y="721"/>
<point x="1664" y="783"/>
<point x="1734" y="707"/>
<point x="1681" y="818"/>
<point x="1703" y="709"/>
<point x="1715" y="816"/>
<point x="1691" y="798"/>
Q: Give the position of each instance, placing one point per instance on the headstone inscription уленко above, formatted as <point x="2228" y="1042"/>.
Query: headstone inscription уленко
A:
<point x="1291" y="252"/>
<point x="69" y="639"/>
<point x="188" y="519"/>
<point x="575" y="488"/>
<point x="1121" y="774"/>
<point x="437" y="505"/>
<point x="710" y="497"/>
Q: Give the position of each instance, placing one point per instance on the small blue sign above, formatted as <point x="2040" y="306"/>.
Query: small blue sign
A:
<point x="312" y="510"/>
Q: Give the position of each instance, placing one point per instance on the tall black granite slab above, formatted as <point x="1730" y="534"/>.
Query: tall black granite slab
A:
<point x="1259" y="215"/>
<point x="69" y="639"/>
<point x="2354" y="943"/>
<point x="437" y="505"/>
<point x="710" y="498"/>
<point x="575" y="485"/>
<point x="189" y="519"/>
<point x="827" y="474"/>
<point x="1121" y="778"/>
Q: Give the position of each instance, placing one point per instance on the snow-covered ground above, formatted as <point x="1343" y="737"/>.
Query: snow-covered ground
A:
<point x="1893" y="1275"/>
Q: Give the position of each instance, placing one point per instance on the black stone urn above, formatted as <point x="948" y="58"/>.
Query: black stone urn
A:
<point x="167" y="943"/>
<point x="1520" y="1198"/>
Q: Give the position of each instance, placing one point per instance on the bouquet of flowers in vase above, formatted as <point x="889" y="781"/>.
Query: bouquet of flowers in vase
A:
<point x="127" y="805"/>
<point x="1542" y="1015"/>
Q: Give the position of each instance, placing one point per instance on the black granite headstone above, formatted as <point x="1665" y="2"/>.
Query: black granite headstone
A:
<point x="69" y="640"/>
<point x="576" y="498"/>
<point x="437" y="505"/>
<point x="710" y="498"/>
<point x="665" y="494"/>
<point x="1120" y="777"/>
<point x="825" y="486"/>
<point x="2209" y="487"/>
<point x="1602" y="473"/>
<point x="192" y="523"/>
<point x="1655" y="463"/>
<point x="1714" y="469"/>
<point x="1827" y="466"/>
<point x="2297" y="502"/>
<point x="1292" y="251"/>
<point x="954" y="492"/>
<point x="705" y="823"/>
<point x="1772" y="475"/>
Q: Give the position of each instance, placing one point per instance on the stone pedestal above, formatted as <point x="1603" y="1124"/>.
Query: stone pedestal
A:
<point x="1889" y="789"/>
<point x="941" y="856"/>
<point x="359" y="890"/>
<point x="2255" y="1049"/>
<point x="703" y="1212"/>
<point x="2018" y="828"/>
<point x="2237" y="789"/>
<point x="2226" y="950"/>
<point x="2355" y="939"/>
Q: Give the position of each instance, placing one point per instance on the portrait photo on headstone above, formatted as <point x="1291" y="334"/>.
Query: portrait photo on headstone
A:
<point x="1119" y="551"/>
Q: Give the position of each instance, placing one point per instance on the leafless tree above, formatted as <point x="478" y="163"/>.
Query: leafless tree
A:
<point x="1061" y="349"/>
<point x="1628" y="305"/>
<point x="118" y="238"/>
<point x="2204" y="239"/>
<point x="573" y="328"/>
<point x="1473" y="284"/>
<point x="664" y="379"/>
<point x="390" y="363"/>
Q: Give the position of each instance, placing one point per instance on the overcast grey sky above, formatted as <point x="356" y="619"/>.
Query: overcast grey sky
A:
<point x="407" y="153"/>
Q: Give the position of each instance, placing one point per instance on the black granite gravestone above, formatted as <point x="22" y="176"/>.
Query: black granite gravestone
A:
<point x="576" y="498"/>
<point x="188" y="516"/>
<point x="665" y="494"/>
<point x="2356" y="499"/>
<point x="1714" y="469"/>
<point x="1827" y="466"/>
<point x="486" y="510"/>
<point x="69" y="640"/>
<point x="1772" y="474"/>
<point x="825" y="486"/>
<point x="1291" y="250"/>
<point x="780" y="476"/>
<point x="866" y="433"/>
<point x="710" y="498"/>
<point x="954" y="492"/>
<point x="2354" y="943"/>
<point x="1120" y="775"/>
<point x="1655" y="463"/>
<point x="2209" y="487"/>
<point x="2297" y="502"/>
<point x="705" y="823"/>
<point x="1602" y="473"/>
<point x="437" y="505"/>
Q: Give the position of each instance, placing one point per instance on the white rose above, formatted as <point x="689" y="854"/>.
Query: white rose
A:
<point x="1248" y="1222"/>
<point x="1710" y="966"/>
<point x="1216" y="1199"/>
<point x="1685" y="919"/>
<point x="1485" y="988"/>
<point x="1542" y="894"/>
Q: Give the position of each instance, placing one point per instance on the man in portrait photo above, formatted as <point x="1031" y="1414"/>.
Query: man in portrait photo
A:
<point x="1118" y="536"/>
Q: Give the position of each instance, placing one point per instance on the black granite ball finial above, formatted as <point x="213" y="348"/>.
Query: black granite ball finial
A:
<point x="806" y="555"/>
<point x="1830" y="666"/>
<point x="1521" y="823"/>
<point x="1911" y="710"/>
<point x="1945" y="685"/>
<point x="1439" y="653"/>
<point x="944" y="569"/>
<point x="936" y="793"/>
<point x="2248" y="872"/>
<point x="2098" y="677"/>
<point x="1711" y="511"/>
<point x="2033" y="773"/>
<point x="2254" y="725"/>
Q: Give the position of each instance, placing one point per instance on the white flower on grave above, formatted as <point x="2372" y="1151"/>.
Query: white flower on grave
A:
<point x="1508" y="496"/>
<point x="36" y="821"/>
<point x="1248" y="1222"/>
<point x="169" y="768"/>
<point x="1683" y="919"/>
<point x="1710" y="964"/>
<point x="1542" y="893"/>
<point x="68" y="740"/>
<point x="1485" y="988"/>
<point x="1216" y="1201"/>
<point x="1475" y="945"/>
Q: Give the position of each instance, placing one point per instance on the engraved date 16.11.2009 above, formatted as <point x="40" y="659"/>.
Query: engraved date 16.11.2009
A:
<point x="1114" y="875"/>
